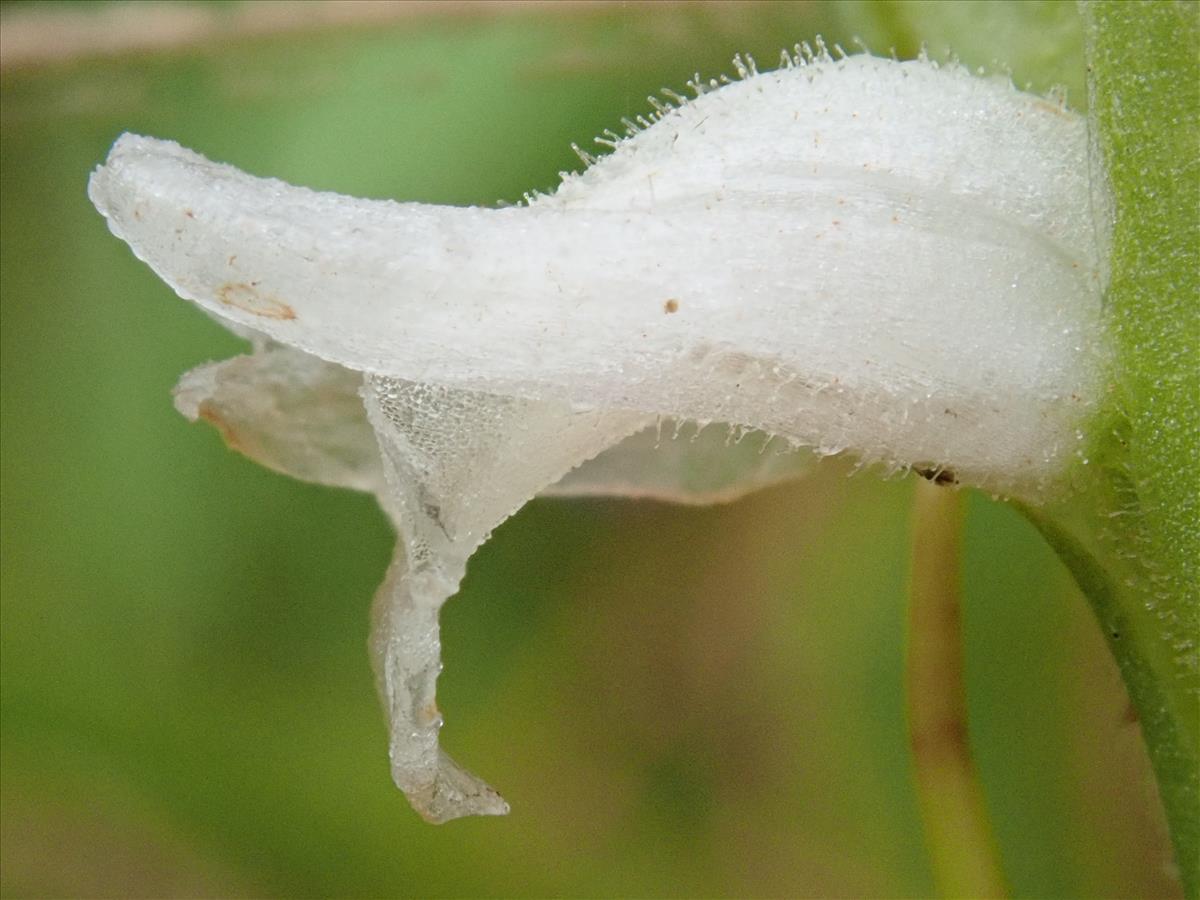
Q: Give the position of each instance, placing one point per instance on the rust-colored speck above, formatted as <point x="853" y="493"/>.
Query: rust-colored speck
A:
<point x="213" y="418"/>
<point x="429" y="713"/>
<point x="189" y="214"/>
<point x="671" y="306"/>
<point x="248" y="298"/>
<point x="1049" y="107"/>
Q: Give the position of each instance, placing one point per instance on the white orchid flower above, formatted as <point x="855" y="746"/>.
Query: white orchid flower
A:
<point x="893" y="259"/>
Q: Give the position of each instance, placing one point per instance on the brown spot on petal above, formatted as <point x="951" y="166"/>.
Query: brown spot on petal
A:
<point x="671" y="306"/>
<point x="209" y="414"/>
<point x="429" y="713"/>
<point x="1057" y="110"/>
<point x="248" y="298"/>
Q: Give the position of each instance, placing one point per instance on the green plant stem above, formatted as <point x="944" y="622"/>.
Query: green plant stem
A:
<point x="958" y="834"/>
<point x="1136" y="550"/>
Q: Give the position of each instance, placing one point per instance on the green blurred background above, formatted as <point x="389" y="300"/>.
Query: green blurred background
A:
<point x="675" y="701"/>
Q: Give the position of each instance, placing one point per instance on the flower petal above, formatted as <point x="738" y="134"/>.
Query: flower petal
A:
<point x="289" y="411"/>
<point x="865" y="254"/>
<point x="682" y="463"/>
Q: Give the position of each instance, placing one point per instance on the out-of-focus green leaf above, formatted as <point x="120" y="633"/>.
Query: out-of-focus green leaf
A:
<point x="1039" y="41"/>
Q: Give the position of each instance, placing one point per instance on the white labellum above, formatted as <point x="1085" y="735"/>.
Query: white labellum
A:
<point x="866" y="255"/>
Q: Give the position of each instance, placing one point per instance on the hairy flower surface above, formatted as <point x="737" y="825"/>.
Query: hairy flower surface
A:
<point x="888" y="258"/>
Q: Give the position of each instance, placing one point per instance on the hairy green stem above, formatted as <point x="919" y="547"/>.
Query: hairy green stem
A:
<point x="958" y="834"/>
<point x="1132" y="536"/>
